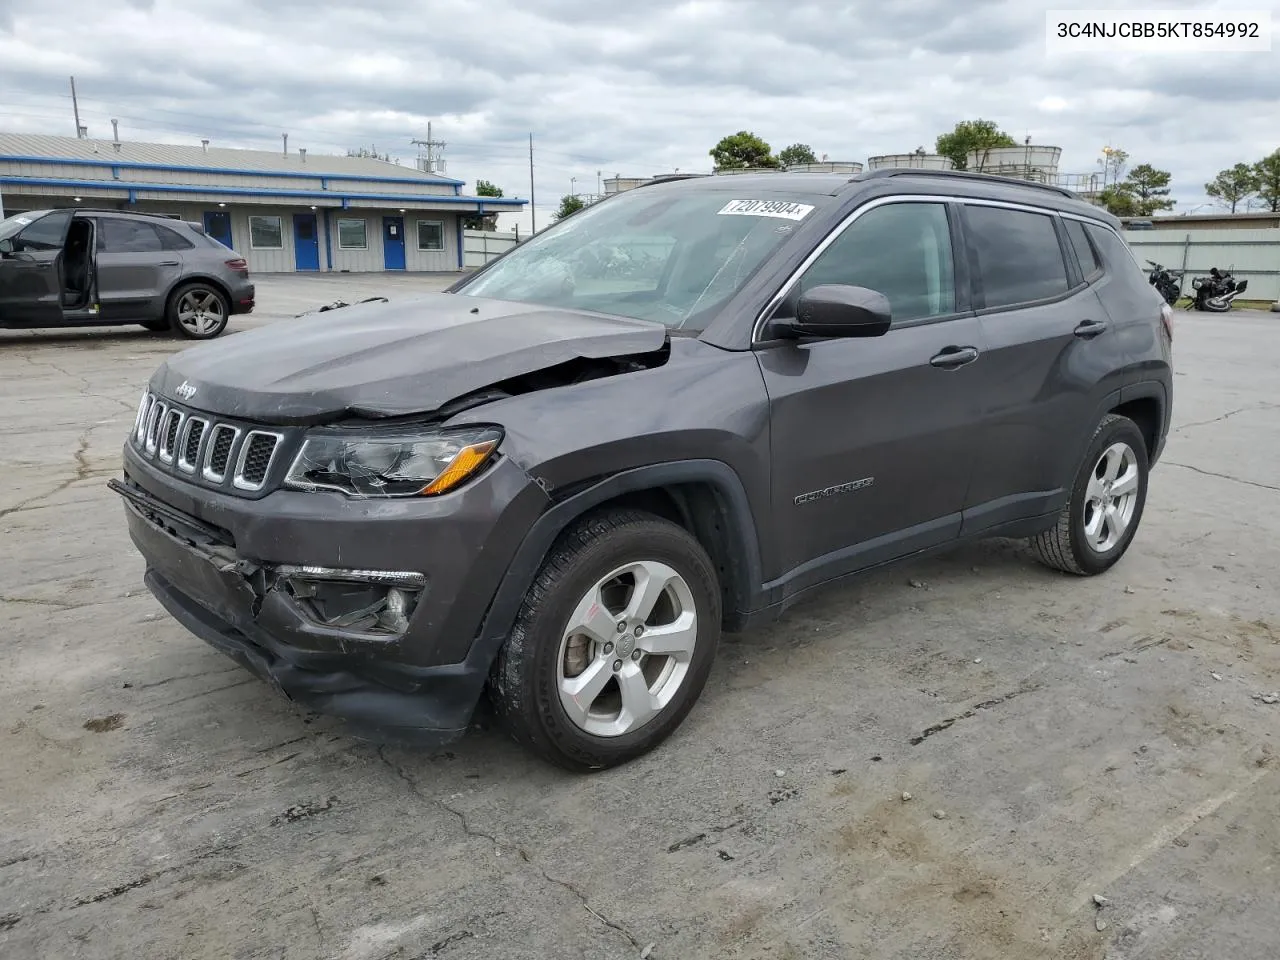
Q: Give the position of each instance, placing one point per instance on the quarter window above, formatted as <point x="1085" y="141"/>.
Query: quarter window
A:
<point x="1019" y="259"/>
<point x="266" y="233"/>
<point x="430" y="235"/>
<point x="1115" y="251"/>
<point x="352" y="235"/>
<point x="1085" y="254"/>
<point x="902" y="250"/>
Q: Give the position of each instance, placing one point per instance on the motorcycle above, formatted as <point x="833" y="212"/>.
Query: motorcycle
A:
<point x="1215" y="292"/>
<point x="1168" y="283"/>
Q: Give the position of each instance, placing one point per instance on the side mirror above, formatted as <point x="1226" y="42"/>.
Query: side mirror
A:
<point x="837" y="310"/>
<point x="6" y="246"/>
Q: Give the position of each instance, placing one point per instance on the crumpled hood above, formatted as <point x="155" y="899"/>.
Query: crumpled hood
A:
<point x="389" y="359"/>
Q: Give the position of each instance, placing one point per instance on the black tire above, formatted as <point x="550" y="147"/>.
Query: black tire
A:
<point x="523" y="684"/>
<point x="202" y="293"/>
<point x="1216" y="306"/>
<point x="1066" y="546"/>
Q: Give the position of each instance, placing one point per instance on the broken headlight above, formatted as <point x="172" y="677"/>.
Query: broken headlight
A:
<point x="392" y="463"/>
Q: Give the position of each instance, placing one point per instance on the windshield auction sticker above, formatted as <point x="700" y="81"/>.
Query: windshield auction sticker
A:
<point x="782" y="209"/>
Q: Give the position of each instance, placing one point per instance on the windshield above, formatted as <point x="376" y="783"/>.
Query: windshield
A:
<point x="11" y="226"/>
<point x="649" y="254"/>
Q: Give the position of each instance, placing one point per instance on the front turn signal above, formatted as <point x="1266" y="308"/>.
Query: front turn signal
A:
<point x="464" y="463"/>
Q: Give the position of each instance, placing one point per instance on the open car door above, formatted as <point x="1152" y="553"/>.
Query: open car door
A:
<point x="31" y="269"/>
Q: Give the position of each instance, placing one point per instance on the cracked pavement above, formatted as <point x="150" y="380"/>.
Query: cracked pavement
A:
<point x="157" y="801"/>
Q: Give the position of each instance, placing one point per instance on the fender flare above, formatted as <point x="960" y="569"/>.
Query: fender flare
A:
<point x="538" y="541"/>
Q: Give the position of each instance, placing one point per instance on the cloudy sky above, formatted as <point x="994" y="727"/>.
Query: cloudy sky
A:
<point x="638" y="90"/>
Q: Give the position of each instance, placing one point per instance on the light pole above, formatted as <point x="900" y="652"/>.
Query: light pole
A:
<point x="572" y="182"/>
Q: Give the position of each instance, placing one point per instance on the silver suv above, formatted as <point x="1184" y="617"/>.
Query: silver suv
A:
<point x="76" y="267"/>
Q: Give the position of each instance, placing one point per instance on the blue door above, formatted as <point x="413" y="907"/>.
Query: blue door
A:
<point x="306" y="242"/>
<point x="217" y="224"/>
<point x="393" y="243"/>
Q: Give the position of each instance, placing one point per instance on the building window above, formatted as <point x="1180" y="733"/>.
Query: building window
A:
<point x="266" y="233"/>
<point x="352" y="235"/>
<point x="430" y="235"/>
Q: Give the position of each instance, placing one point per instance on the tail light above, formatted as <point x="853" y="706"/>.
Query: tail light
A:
<point x="1166" y="318"/>
<point x="239" y="265"/>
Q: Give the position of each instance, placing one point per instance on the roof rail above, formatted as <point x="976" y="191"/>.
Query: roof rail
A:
<point x="964" y="175"/>
<point x="127" y="213"/>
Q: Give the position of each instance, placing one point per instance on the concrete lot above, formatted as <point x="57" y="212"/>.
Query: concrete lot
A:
<point x="1060" y="738"/>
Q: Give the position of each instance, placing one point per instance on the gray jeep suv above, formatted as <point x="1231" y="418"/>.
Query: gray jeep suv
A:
<point x="673" y="413"/>
<point x="80" y="267"/>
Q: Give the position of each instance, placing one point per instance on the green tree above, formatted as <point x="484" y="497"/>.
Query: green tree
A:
<point x="1149" y="188"/>
<point x="1233" y="185"/>
<point x="742" y="150"/>
<point x="1267" y="170"/>
<point x="1113" y="163"/>
<point x="797" y="153"/>
<point x="970" y="135"/>
<point x="1119" y="201"/>
<point x="483" y="221"/>
<point x="569" y="204"/>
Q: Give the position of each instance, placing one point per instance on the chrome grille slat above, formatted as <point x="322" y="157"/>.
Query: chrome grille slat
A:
<point x="256" y="455"/>
<point x="222" y="441"/>
<point x="170" y="429"/>
<point x="154" y="421"/>
<point x="189" y="445"/>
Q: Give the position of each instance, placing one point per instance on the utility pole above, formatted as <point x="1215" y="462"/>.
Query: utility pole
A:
<point x="430" y="153"/>
<point x="533" y="208"/>
<point x="75" y="106"/>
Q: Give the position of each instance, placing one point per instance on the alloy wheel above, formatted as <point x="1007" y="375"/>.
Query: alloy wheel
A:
<point x="626" y="649"/>
<point x="1111" y="496"/>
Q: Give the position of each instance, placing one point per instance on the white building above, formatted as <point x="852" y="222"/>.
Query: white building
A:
<point x="282" y="211"/>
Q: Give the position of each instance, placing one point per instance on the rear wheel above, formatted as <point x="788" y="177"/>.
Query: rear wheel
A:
<point x="1098" y="523"/>
<point x="198" y="311"/>
<point x="613" y="644"/>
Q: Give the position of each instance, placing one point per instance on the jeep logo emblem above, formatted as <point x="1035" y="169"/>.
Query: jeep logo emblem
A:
<point x="185" y="390"/>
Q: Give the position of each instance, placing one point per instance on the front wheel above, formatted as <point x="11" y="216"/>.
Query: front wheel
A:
<point x="1100" y="519"/>
<point x="613" y="643"/>
<point x="198" y="311"/>
<point x="1214" y="305"/>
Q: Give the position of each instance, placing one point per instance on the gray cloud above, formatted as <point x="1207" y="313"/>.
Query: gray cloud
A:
<point x="634" y="90"/>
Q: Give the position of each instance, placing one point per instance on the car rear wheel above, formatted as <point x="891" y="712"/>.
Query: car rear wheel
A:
<point x="198" y="311"/>
<point x="613" y="643"/>
<point x="1100" y="520"/>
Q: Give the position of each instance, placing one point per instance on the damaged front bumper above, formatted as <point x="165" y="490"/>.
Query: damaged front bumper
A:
<point x="385" y="642"/>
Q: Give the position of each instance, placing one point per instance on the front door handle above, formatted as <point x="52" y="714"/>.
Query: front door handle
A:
<point x="953" y="357"/>
<point x="1088" y="329"/>
<point x="170" y="263"/>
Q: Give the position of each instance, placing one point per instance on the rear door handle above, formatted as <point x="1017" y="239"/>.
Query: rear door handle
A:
<point x="170" y="263"/>
<point x="953" y="357"/>
<point x="1088" y="329"/>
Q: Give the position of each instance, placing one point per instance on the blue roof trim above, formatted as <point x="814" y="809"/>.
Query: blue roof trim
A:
<point x="115" y="165"/>
<point x="345" y="197"/>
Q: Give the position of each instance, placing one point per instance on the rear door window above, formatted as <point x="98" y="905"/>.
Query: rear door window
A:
<point x="1085" y="255"/>
<point x="1018" y="257"/>
<point x="129" y="236"/>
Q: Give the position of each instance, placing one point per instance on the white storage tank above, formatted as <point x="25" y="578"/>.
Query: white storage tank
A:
<point x="921" y="161"/>
<point x="721" y="172"/>
<point x="825" y="166"/>
<point x="1016" y="161"/>
<point x="621" y="184"/>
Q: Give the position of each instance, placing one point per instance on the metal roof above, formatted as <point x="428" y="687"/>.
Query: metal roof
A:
<point x="225" y="158"/>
